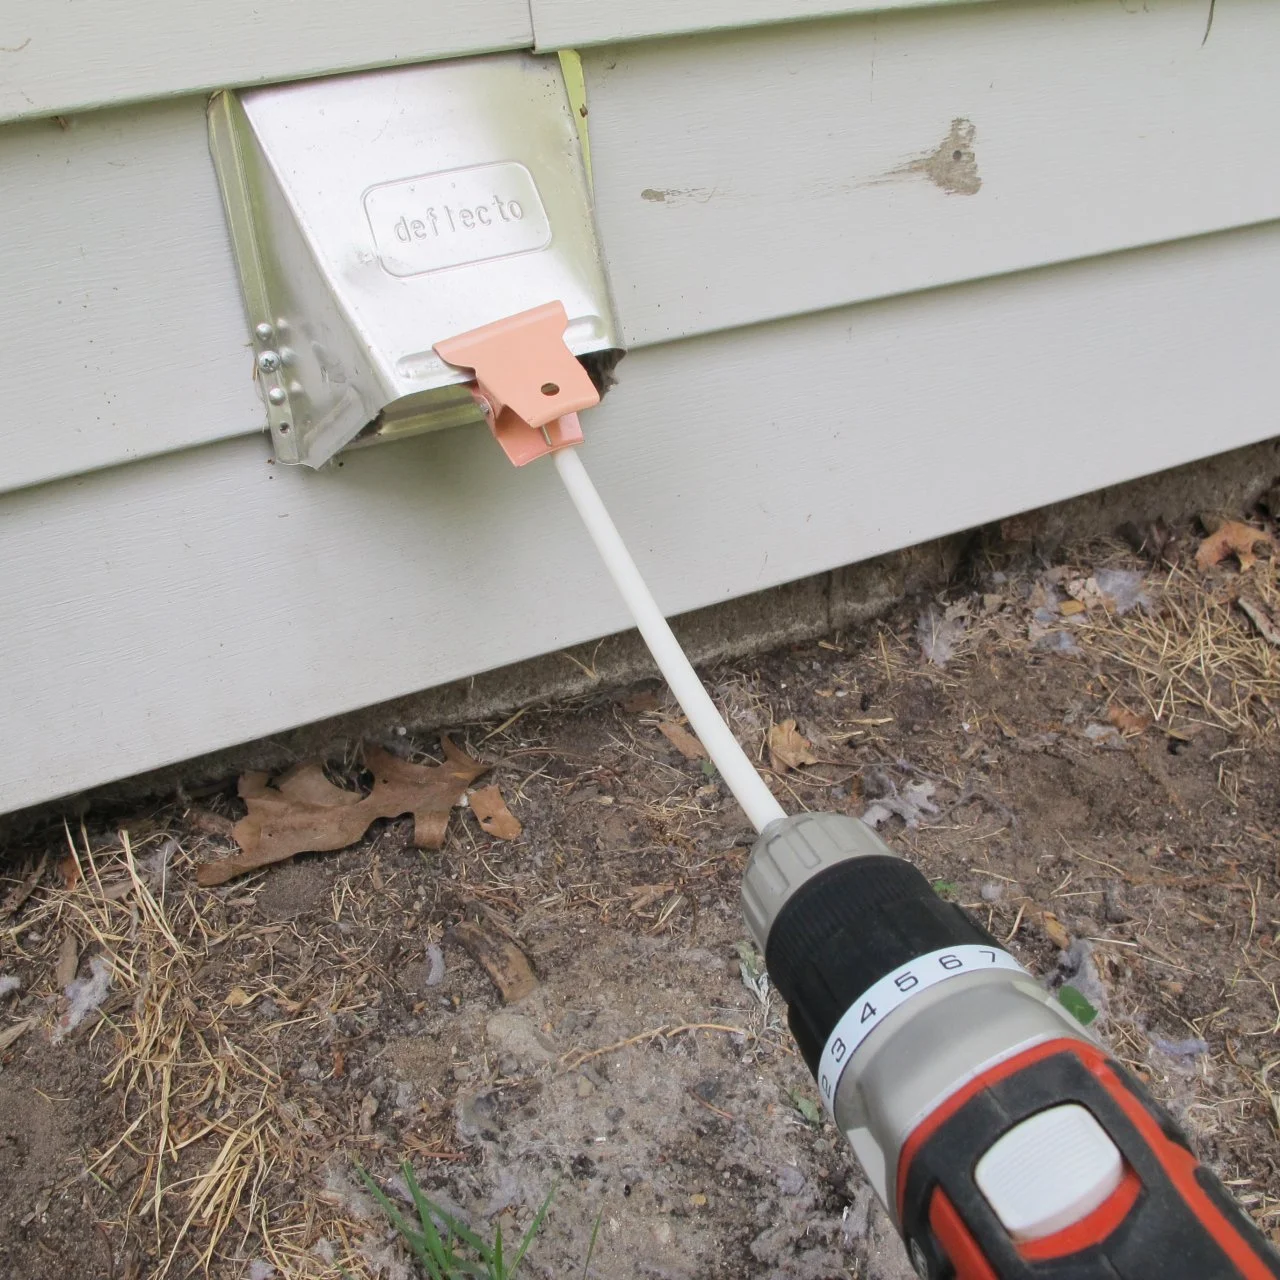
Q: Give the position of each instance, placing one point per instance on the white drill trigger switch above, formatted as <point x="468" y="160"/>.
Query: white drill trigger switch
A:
<point x="1049" y="1172"/>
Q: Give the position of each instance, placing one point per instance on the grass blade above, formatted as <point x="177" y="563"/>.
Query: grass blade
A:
<point x="415" y="1240"/>
<point x="534" y="1227"/>
<point x="462" y="1231"/>
<point x="450" y="1264"/>
<point x="438" y="1248"/>
<point x="591" y="1248"/>
<point x="437" y="1251"/>
<point x="459" y="1267"/>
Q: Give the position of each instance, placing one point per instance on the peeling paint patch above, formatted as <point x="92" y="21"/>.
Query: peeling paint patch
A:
<point x="952" y="165"/>
<point x="678" y="195"/>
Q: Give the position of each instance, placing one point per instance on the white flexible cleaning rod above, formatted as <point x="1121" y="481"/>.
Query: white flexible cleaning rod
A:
<point x="739" y="773"/>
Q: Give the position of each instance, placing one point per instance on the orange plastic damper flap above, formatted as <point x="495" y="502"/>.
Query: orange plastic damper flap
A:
<point x="532" y="382"/>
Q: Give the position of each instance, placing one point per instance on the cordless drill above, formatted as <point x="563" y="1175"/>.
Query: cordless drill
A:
<point x="1003" y="1141"/>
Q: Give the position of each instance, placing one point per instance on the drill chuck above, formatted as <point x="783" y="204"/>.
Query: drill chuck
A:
<point x="1001" y="1139"/>
<point x="835" y="913"/>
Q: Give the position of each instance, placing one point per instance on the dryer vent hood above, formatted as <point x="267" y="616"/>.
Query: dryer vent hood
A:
<point x="375" y="215"/>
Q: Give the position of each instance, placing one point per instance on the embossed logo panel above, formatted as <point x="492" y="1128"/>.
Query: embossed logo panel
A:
<point x="461" y="216"/>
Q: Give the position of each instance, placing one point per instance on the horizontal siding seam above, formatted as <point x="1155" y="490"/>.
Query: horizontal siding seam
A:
<point x="50" y="475"/>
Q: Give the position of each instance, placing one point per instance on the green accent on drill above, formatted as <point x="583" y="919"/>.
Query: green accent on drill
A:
<point x="1077" y="1006"/>
<point x="575" y="84"/>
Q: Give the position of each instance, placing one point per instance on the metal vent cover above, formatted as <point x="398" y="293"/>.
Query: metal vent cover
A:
<point x="373" y="215"/>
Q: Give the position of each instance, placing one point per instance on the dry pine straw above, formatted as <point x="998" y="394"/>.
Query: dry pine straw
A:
<point x="201" y="1112"/>
<point x="201" y="1115"/>
<point x="199" y="1108"/>
<point x="1195" y="656"/>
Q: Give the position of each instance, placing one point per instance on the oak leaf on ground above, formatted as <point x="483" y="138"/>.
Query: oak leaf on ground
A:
<point x="683" y="741"/>
<point x="306" y="813"/>
<point x="1232" y="538"/>
<point x="493" y="815"/>
<point x="1127" y="721"/>
<point x="789" y="748"/>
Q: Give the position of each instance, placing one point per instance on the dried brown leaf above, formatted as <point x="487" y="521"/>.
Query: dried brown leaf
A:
<point x="237" y="998"/>
<point x="507" y="966"/>
<point x="1055" y="930"/>
<point x="789" y="748"/>
<point x="644" y="700"/>
<point x="493" y="815"/>
<point x="306" y="783"/>
<point x="306" y="813"/>
<point x="1233" y="538"/>
<point x="1127" y="721"/>
<point x="212" y="824"/>
<point x="683" y="741"/>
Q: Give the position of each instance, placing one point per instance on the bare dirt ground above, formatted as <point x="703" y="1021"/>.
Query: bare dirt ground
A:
<point x="1099" y="787"/>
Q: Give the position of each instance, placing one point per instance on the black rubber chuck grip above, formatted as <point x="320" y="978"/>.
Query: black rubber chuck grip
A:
<point x="845" y="929"/>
